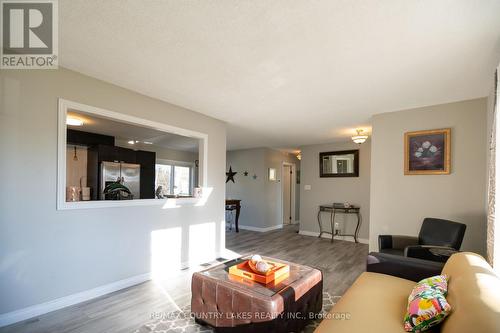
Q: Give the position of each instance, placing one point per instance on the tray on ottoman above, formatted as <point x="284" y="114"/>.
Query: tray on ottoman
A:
<point x="278" y="272"/>
<point x="234" y="304"/>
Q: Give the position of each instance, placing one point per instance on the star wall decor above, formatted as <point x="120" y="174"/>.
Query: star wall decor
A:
<point x="254" y="176"/>
<point x="230" y="175"/>
<point x="245" y="173"/>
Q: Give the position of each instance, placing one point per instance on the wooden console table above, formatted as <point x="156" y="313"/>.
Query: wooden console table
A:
<point x="232" y="204"/>
<point x="336" y="209"/>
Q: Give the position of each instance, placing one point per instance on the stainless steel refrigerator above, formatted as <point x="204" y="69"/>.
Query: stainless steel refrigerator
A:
<point x="129" y="174"/>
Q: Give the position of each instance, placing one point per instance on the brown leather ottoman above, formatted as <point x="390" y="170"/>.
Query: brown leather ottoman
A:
<point x="233" y="304"/>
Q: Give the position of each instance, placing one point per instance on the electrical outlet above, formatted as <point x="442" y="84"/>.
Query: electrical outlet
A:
<point x="337" y="225"/>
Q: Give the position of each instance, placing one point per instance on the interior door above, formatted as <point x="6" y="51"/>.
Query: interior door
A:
<point x="287" y="194"/>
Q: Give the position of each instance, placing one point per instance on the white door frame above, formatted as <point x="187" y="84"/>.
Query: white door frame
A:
<point x="292" y="186"/>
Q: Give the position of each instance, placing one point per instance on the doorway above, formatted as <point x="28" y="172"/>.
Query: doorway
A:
<point x="288" y="193"/>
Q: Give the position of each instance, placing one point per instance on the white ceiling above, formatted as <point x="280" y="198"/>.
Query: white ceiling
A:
<point x="127" y="132"/>
<point x="286" y="73"/>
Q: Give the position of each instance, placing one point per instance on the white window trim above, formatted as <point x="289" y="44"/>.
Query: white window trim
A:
<point x="63" y="107"/>
<point x="174" y="163"/>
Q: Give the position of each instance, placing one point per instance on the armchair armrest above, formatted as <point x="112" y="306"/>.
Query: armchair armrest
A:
<point x="407" y="268"/>
<point x="384" y="242"/>
<point x="396" y="241"/>
<point x="429" y="252"/>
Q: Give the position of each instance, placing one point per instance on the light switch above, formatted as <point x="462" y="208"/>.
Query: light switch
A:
<point x="307" y="187"/>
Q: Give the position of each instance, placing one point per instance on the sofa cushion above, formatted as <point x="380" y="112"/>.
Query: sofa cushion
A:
<point x="438" y="282"/>
<point x="473" y="293"/>
<point x="427" y="305"/>
<point x="375" y="303"/>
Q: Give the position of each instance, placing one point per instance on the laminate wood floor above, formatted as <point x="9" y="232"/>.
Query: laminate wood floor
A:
<point x="127" y="310"/>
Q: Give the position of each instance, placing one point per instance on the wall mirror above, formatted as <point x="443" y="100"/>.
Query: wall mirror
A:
<point x="108" y="159"/>
<point x="339" y="163"/>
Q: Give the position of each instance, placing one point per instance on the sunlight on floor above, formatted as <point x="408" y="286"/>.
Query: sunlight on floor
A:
<point x="229" y="254"/>
<point x="166" y="251"/>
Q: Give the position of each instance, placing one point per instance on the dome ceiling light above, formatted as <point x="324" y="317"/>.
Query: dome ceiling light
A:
<point x="360" y="137"/>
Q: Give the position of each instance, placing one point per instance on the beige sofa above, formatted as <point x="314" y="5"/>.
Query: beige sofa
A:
<point x="377" y="302"/>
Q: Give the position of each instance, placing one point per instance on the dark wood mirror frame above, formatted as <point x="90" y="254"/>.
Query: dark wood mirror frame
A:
<point x="355" y="152"/>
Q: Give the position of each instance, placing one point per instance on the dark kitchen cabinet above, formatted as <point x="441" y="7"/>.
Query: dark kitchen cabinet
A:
<point x="106" y="153"/>
<point x="99" y="153"/>
<point x="126" y="155"/>
<point x="114" y="154"/>
<point x="93" y="172"/>
<point x="74" y="137"/>
<point x="147" y="160"/>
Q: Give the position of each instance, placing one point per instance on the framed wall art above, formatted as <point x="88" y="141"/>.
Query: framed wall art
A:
<point x="427" y="152"/>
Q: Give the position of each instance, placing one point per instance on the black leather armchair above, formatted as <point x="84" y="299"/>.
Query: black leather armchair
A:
<point x="437" y="240"/>
<point x="407" y="268"/>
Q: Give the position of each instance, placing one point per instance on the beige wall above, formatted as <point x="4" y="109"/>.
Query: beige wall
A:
<point x="399" y="203"/>
<point x="355" y="190"/>
<point x="45" y="253"/>
<point x="261" y="198"/>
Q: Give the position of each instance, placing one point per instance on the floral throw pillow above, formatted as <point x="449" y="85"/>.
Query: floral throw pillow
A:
<point x="427" y="305"/>
<point x="438" y="282"/>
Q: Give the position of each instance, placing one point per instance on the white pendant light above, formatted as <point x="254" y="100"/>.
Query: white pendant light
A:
<point x="360" y="138"/>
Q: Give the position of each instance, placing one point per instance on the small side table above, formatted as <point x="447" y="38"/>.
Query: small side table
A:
<point x="232" y="204"/>
<point x="336" y="209"/>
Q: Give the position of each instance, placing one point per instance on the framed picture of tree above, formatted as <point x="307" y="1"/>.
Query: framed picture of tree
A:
<point x="428" y="152"/>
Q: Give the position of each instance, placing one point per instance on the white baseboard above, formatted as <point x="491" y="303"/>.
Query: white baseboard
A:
<point x="345" y="238"/>
<point x="63" y="302"/>
<point x="59" y="303"/>
<point x="258" y="229"/>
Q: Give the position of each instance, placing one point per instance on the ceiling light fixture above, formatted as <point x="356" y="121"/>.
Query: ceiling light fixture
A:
<point x="299" y="156"/>
<point x="360" y="138"/>
<point x="131" y="142"/>
<point x="148" y="143"/>
<point x="74" y="121"/>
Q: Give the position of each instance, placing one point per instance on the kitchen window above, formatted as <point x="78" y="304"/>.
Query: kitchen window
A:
<point x="176" y="178"/>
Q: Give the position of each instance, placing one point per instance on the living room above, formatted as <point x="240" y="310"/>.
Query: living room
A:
<point x="249" y="166"/>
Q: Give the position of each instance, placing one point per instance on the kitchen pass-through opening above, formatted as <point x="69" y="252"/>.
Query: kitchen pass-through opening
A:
<point x="107" y="158"/>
